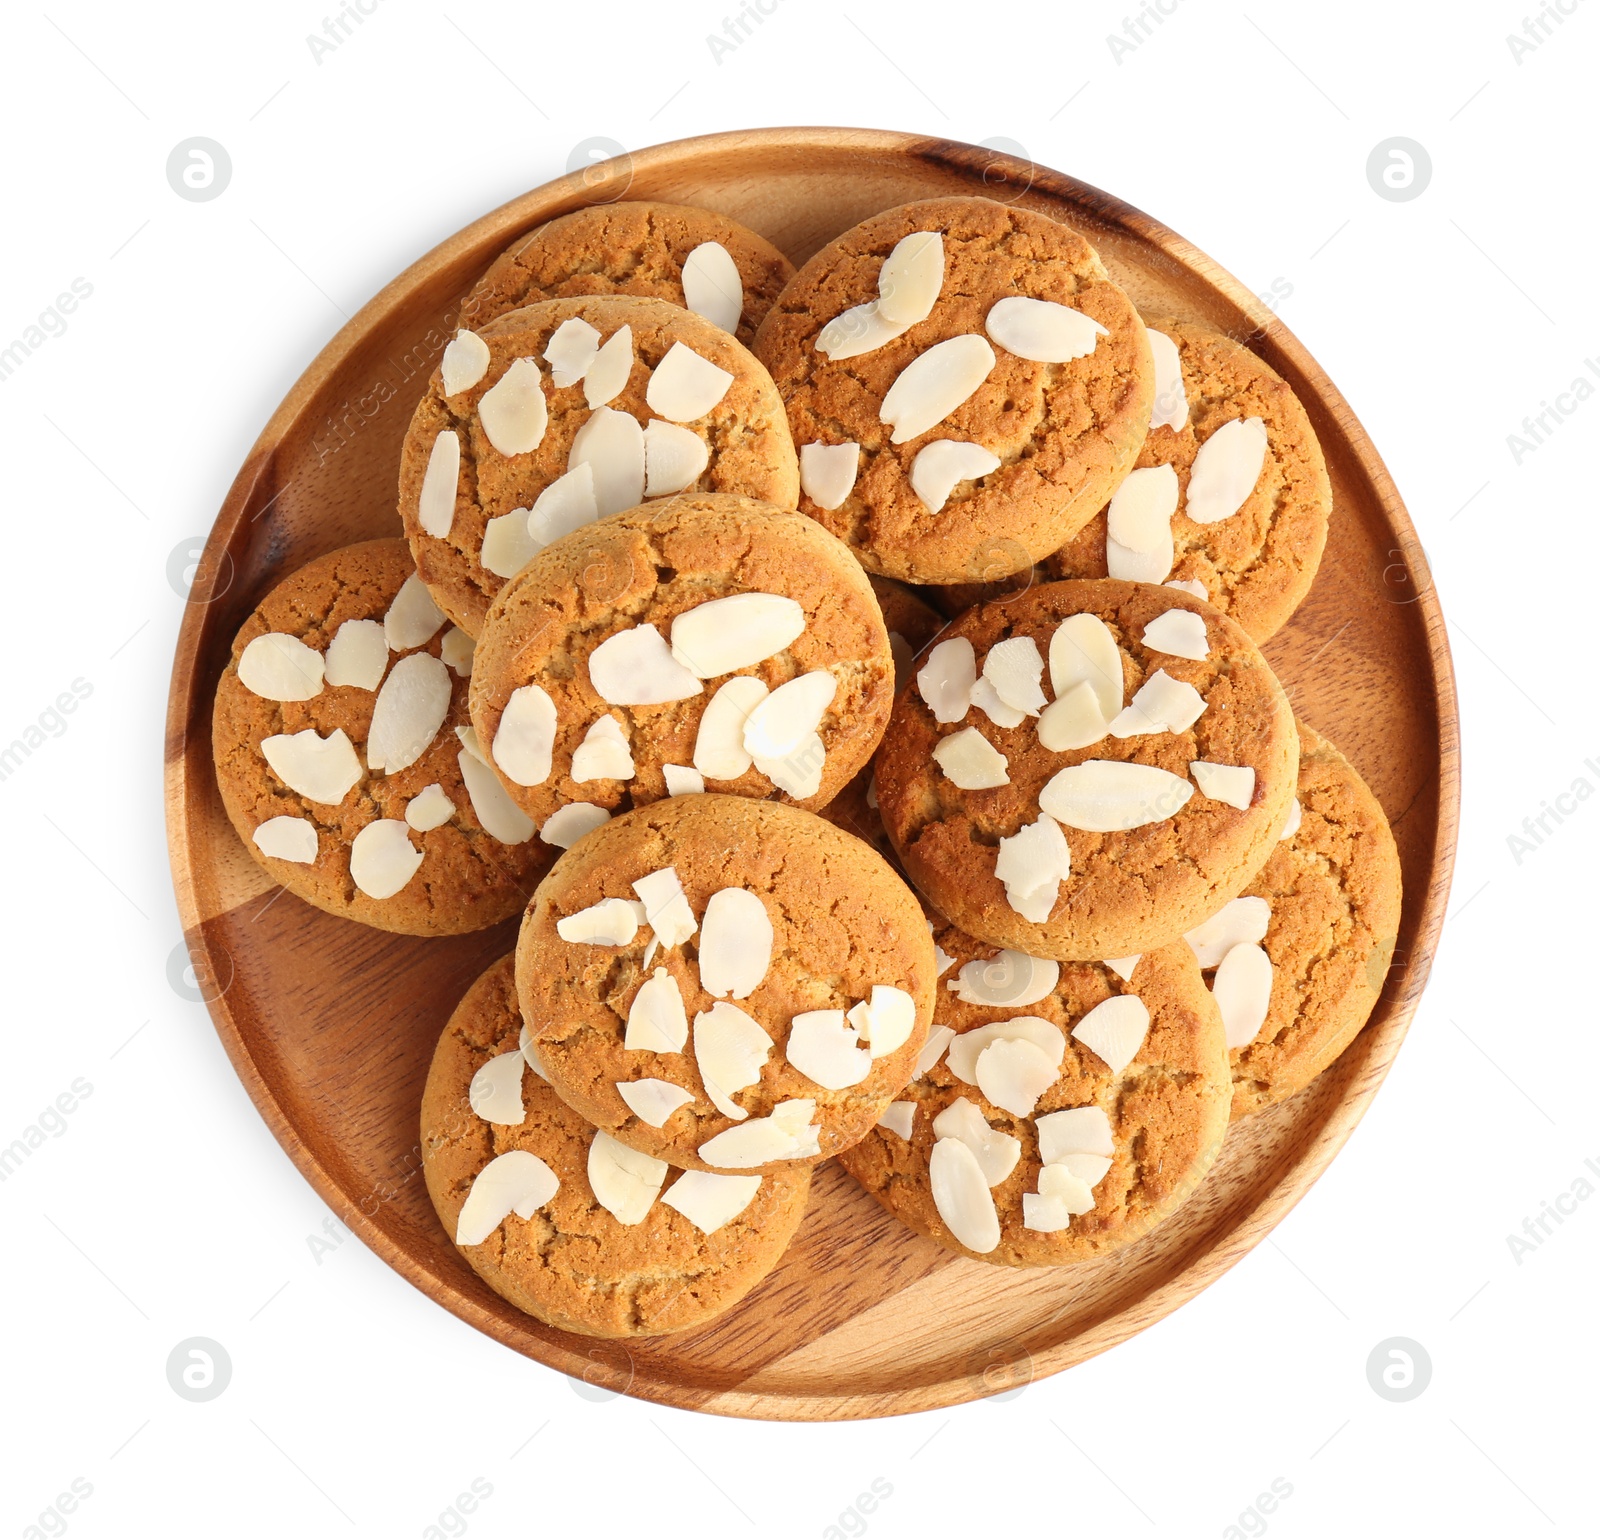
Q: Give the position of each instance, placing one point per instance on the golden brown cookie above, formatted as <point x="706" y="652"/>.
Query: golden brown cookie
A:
<point x="703" y="642"/>
<point x="1256" y="564"/>
<point x="1113" y="1104"/>
<point x="1038" y="445"/>
<point x="345" y="662"/>
<point x="545" y="430"/>
<point x="764" y="1008"/>
<point x="606" y="1252"/>
<point x="1132" y="790"/>
<point x="638" y="249"/>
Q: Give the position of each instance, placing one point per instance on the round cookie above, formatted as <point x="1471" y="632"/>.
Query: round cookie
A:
<point x="1331" y="887"/>
<point x="1105" y="845"/>
<point x="637" y="249"/>
<point x="573" y="1262"/>
<point x="1162" y="1105"/>
<point x="1257" y="563"/>
<point x="582" y="634"/>
<point x="737" y="419"/>
<point x="791" y="918"/>
<point x="1065" y="432"/>
<point x="475" y="856"/>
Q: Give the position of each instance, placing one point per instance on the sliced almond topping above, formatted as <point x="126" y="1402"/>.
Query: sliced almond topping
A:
<point x="1242" y="989"/>
<point x="496" y="1090"/>
<point x="1032" y="864"/>
<point x="1006" y="980"/>
<point x="611" y="922"/>
<point x="965" y="1051"/>
<point x="653" y="1101"/>
<point x="997" y="1152"/>
<point x="666" y="906"/>
<point x="436" y="502"/>
<point x="383" y="859"/>
<point x="611" y="444"/>
<point x="287" y="839"/>
<point x="1123" y="966"/>
<point x="512" y="411"/>
<point x="939" y="1038"/>
<point x="940" y="467"/>
<point x="860" y="329"/>
<point x="1180" y="632"/>
<point x="607" y="377"/>
<point x="492" y="806"/>
<point x="604" y="754"/>
<point x="429" y="809"/>
<point x="1041" y="330"/>
<point x="945" y="681"/>
<point x="712" y="286"/>
<point x="729" y="1048"/>
<point x="319" y="769"/>
<point x="1089" y="1169"/>
<point x="899" y="1118"/>
<point x="624" y="1182"/>
<point x="517" y="1182"/>
<point x="885" y="1020"/>
<point x="657" y="1020"/>
<point x="1161" y="704"/>
<point x="465" y="362"/>
<point x="719" y="750"/>
<point x="508" y="544"/>
<point x="1106" y="795"/>
<point x="1083" y="651"/>
<point x="408" y="713"/>
<point x="1061" y="1195"/>
<point x="911" y="277"/>
<point x="530" y="1052"/>
<point x="413" y="617"/>
<point x="567" y="825"/>
<point x="1233" y="784"/>
<point x="456" y="651"/>
<point x="571" y="349"/>
<point x="942" y="958"/>
<point x="725" y="635"/>
<point x="674" y="458"/>
<point x="786" y="1134"/>
<point x="1238" y="921"/>
<point x="1072" y="721"/>
<point x="825" y="1048"/>
<point x="828" y="472"/>
<point x="970" y="760"/>
<point x="934" y="384"/>
<point x="358" y="655"/>
<point x="684" y="386"/>
<point x="709" y="1201"/>
<point x="468" y="737"/>
<point x="1226" y="469"/>
<point x="786" y="719"/>
<point x="1014" y="1074"/>
<point x="1291" y="824"/>
<point x="281" y="667"/>
<point x="1188" y="585"/>
<point x="1139" y="525"/>
<point x="1015" y="668"/>
<point x="1078" y="1130"/>
<point x="798" y="773"/>
<point x="1170" y="409"/>
<point x="735" y="943"/>
<point x="962" y="1196"/>
<point x="1115" y="1029"/>
<point x="525" y="736"/>
<point x="636" y="668"/>
<point x="568" y="503"/>
<point x="682" y="780"/>
<point x="987" y="699"/>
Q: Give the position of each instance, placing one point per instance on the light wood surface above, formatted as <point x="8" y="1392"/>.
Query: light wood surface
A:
<point x="331" y="1025"/>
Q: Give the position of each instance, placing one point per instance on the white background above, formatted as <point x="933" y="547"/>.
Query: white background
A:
<point x="164" y="1209"/>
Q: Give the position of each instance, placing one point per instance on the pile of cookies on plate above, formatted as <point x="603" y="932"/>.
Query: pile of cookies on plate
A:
<point x="853" y="678"/>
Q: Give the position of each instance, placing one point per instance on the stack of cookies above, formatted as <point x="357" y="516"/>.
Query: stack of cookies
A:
<point x="853" y="678"/>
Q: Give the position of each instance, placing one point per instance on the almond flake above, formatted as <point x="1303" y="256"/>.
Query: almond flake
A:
<point x="674" y="458"/>
<point x="725" y="635"/>
<point x="1170" y="409"/>
<point x="682" y="780"/>
<point x="358" y="655"/>
<point x="942" y="959"/>
<point x="666" y="906"/>
<point x="860" y="329"/>
<point x="611" y="922"/>
<point x="969" y="1047"/>
<point x="1061" y="1195"/>
<point x="1042" y="330"/>
<point x="636" y="668"/>
<point x="934" y="384"/>
<point x="1078" y="1130"/>
<point x="684" y="386"/>
<point x="1242" y="989"/>
<point x="1072" y="721"/>
<point x="708" y="1200"/>
<point x="911" y="277"/>
<point x="1188" y="585"/>
<point x="492" y="806"/>
<point x="940" y="467"/>
<point x="512" y="412"/>
<point x="962" y="1196"/>
<point x="786" y="719"/>
<point x="530" y="1052"/>
<point x="571" y="349"/>
<point x="987" y="699"/>
<point x="826" y="1049"/>
<point x="1226" y="469"/>
<point x="383" y="859"/>
<point x="1115" y="1029"/>
<point x="281" y="667"/>
<point x="971" y="761"/>
<point x="625" y="1182"/>
<point x="567" y="825"/>
<point x="413" y="617"/>
<point x="719" y="750"/>
<point x="885" y="1020"/>
<point x="1123" y="966"/>
<point x="508" y="545"/>
<point x="1238" y="921"/>
<point x="1013" y="1074"/>
<point x="607" y="376"/>
<point x="1233" y="784"/>
<point x="1161" y="704"/>
<point x="318" y="769"/>
<point x="604" y="754"/>
<point x="997" y="1153"/>
<point x="1015" y="668"/>
<point x="468" y="737"/>
<point x="653" y="1101"/>
<point x="568" y="503"/>
<point x="436" y="502"/>
<point x="429" y="809"/>
<point x="517" y="1182"/>
<point x="899" y="1118"/>
<point x="946" y="679"/>
<point x="786" y="1134"/>
<point x="828" y="472"/>
<point x="1089" y="1169"/>
<point x="1032" y="864"/>
<point x="408" y="713"/>
<point x="496" y="1090"/>
<point x="939" y="1038"/>
<point x="465" y="362"/>
<point x="735" y="943"/>
<point x="712" y="286"/>
<point x="611" y="444"/>
<point x="1083" y="651"/>
<point x="1104" y="796"/>
<point x="1291" y="824"/>
<point x="1139" y="525"/>
<point x="456" y="652"/>
<point x="287" y="839"/>
<point x="525" y="736"/>
<point x="1006" y="980"/>
<point x="1180" y="632"/>
<point x="729" y="1048"/>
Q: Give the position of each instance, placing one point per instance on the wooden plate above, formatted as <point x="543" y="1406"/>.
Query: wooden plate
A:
<point x="331" y="1026"/>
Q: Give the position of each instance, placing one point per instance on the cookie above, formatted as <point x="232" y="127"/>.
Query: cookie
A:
<point x="1112" y="811"/>
<point x="1265" y="509"/>
<point x="345" y="663"/>
<point x="707" y="641"/>
<point x="600" y="1241"/>
<point x="1061" y="1111"/>
<point x="1315" y="932"/>
<point x="966" y="385"/>
<point x="911" y="622"/>
<point x="725" y="984"/>
<point x="568" y="410"/>
<point x="639" y="249"/>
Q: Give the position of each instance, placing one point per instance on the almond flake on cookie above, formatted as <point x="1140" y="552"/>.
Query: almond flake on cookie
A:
<point x="711" y="285"/>
<point x="945" y="681"/>
<point x="682" y="780"/>
<point x="383" y="859"/>
<point x="567" y="825"/>
<point x="1073" y="720"/>
<point x="1006" y="980"/>
<point x="970" y="761"/>
<point x="1291" y="824"/>
<point x="611" y="922"/>
<point x="969" y="1047"/>
<point x="436" y="502"/>
<point x="319" y="769"/>
<point x="1107" y="796"/>
<point x="886" y="1019"/>
<point x="1123" y="966"/>
<point x="568" y="503"/>
<point x="512" y="411"/>
<point x="1115" y="1029"/>
<point x="782" y="722"/>
<point x="1089" y="1169"/>
<point x="1015" y="668"/>
<point x="1226" y="469"/>
<point x="943" y="961"/>
<point x="287" y="839"/>
<point x="828" y="472"/>
<point x="413" y="617"/>
<point x="800" y="772"/>
<point x="934" y="384"/>
<point x="1170" y="408"/>
<point x="1161" y="704"/>
<point x="1188" y="585"/>
<point x="517" y="1182"/>
<point x="1179" y="632"/>
<point x="735" y="943"/>
<point x="1061" y="1196"/>
<point x="719" y="750"/>
<point x="666" y="906"/>
<point x="1242" y="989"/>
<point x="571" y="349"/>
<point x="911" y="277"/>
<point x="940" y="467"/>
<point x="530" y="1052"/>
<point x="611" y="444"/>
<point x="939" y="1038"/>
<point x="962" y="1197"/>
<point x="408" y="713"/>
<point x="1139" y="525"/>
<point x="492" y="806"/>
<point x="674" y="458"/>
<point x="787" y="1133"/>
<point x="730" y="1047"/>
<point x="604" y="754"/>
<point x="625" y="1183"/>
<point x="997" y="1153"/>
<point x="358" y="655"/>
<point x="1033" y="863"/>
<point x="825" y="1048"/>
<point x="1077" y="1130"/>
<point x="635" y="667"/>
<point x="1042" y="330"/>
<point x="860" y="329"/>
<point x="607" y="376"/>
<point x="468" y="737"/>
<point x="1013" y="1073"/>
<point x="508" y="546"/>
<point x="496" y="1090"/>
<point x="429" y="809"/>
<point x="708" y="1200"/>
<point x="684" y="386"/>
<point x="657" y="1020"/>
<point x="987" y="699"/>
<point x="456" y="652"/>
<point x="724" y="635"/>
<point x="1233" y="784"/>
<point x="899" y="1118"/>
<point x="653" y="1101"/>
<point x="1083" y="651"/>
<point x="281" y="667"/>
<point x="465" y="362"/>
<point x="1238" y="921"/>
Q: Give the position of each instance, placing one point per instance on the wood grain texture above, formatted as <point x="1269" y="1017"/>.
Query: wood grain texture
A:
<point x="331" y="1025"/>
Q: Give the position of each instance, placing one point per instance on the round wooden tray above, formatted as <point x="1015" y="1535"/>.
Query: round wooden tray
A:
<point x="331" y="1026"/>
